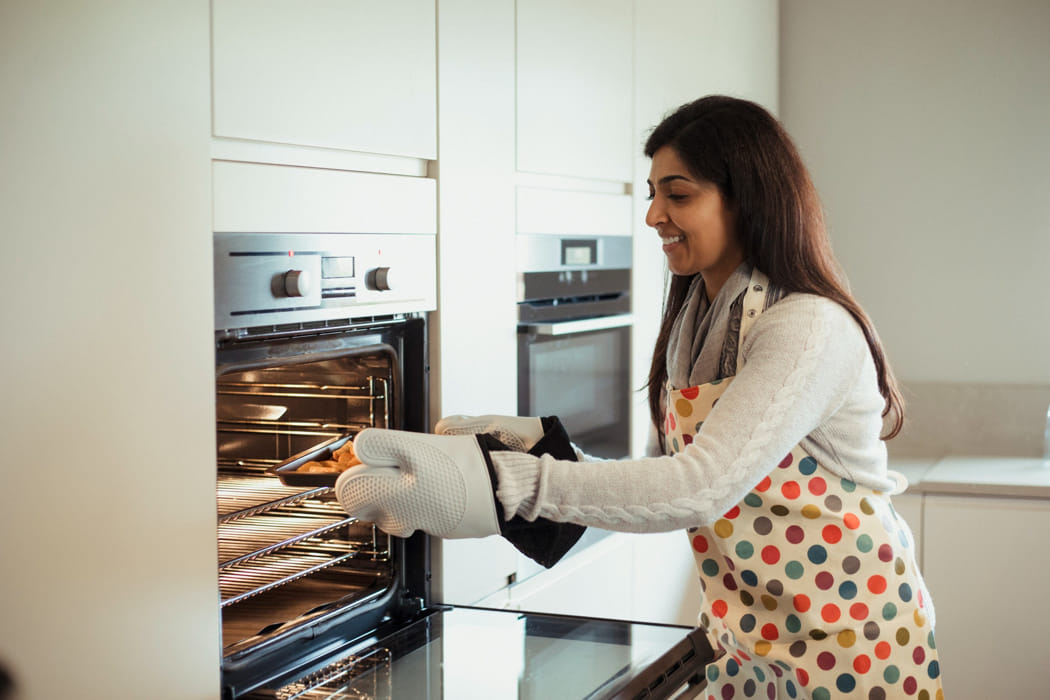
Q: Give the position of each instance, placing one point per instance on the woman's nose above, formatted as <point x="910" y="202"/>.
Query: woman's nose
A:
<point x="654" y="216"/>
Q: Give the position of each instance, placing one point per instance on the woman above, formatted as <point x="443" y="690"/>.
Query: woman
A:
<point x="769" y="390"/>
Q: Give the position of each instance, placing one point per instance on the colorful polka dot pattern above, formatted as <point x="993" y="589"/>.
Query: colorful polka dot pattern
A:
<point x="811" y="588"/>
<point x="690" y="407"/>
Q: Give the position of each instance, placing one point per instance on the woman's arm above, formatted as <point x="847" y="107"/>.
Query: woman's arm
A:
<point x="802" y="360"/>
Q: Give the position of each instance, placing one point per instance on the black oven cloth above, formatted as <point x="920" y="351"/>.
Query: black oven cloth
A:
<point x="542" y="540"/>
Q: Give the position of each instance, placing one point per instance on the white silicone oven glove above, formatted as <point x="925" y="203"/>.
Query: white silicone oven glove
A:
<point x="515" y="432"/>
<point x="439" y="484"/>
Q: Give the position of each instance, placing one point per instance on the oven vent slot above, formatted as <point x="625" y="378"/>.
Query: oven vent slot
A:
<point x="339" y="293"/>
<point x="306" y="328"/>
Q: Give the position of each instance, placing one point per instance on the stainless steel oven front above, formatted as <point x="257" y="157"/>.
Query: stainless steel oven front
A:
<point x="317" y="337"/>
<point x="574" y="336"/>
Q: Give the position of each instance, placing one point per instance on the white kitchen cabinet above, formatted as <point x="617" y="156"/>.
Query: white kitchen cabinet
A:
<point x="471" y="569"/>
<point x="573" y="213"/>
<point x="267" y="198"/>
<point x="988" y="569"/>
<point x="639" y="577"/>
<point x="596" y="582"/>
<point x="473" y="333"/>
<point x="339" y="74"/>
<point x="666" y="582"/>
<point x="574" y="88"/>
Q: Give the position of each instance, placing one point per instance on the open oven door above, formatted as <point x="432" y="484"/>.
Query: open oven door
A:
<point x="454" y="653"/>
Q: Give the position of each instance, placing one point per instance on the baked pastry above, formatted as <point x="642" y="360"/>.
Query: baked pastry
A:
<point x="342" y="459"/>
<point x="345" y="455"/>
<point x="327" y="466"/>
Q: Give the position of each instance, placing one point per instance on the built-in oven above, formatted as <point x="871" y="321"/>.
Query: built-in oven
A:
<point x="318" y="337"/>
<point x="574" y="337"/>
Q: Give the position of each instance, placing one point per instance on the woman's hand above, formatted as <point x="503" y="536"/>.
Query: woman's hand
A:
<point x="519" y="434"/>
<point x="439" y="484"/>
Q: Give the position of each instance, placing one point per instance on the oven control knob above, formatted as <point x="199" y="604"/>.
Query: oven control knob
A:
<point x="297" y="283"/>
<point x="381" y="279"/>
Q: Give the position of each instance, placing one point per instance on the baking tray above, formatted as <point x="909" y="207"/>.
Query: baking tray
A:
<point x="286" y="470"/>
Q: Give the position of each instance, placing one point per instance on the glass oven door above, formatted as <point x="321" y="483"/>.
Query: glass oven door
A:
<point x="579" y="371"/>
<point x="460" y="653"/>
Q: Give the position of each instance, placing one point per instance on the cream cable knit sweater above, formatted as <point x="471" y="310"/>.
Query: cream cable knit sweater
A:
<point x="807" y="378"/>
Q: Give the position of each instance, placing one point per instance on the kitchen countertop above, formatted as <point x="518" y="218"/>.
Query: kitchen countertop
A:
<point x="1023" y="477"/>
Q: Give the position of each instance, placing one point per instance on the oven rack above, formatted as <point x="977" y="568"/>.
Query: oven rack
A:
<point x="256" y="536"/>
<point x="304" y="390"/>
<point x="373" y="393"/>
<point x="365" y="676"/>
<point x="290" y="428"/>
<point x="242" y="581"/>
<point x="243" y="495"/>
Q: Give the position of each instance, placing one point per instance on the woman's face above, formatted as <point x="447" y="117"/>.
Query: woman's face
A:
<point x="696" y="227"/>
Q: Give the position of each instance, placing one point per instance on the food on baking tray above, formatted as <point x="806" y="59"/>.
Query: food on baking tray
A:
<point x="322" y="467"/>
<point x="342" y="459"/>
<point x="345" y="454"/>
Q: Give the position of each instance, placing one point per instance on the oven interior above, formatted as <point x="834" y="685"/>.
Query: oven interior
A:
<point x="292" y="566"/>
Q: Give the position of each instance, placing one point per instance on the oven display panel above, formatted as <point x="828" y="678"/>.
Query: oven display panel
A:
<point x="579" y="252"/>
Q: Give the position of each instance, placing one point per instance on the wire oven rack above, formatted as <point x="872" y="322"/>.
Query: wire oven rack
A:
<point x="270" y="534"/>
<point x="368" y="403"/>
<point x="355" y="677"/>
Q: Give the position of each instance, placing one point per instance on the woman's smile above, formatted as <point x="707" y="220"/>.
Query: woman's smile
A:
<point x="671" y="241"/>
<point x="695" y="225"/>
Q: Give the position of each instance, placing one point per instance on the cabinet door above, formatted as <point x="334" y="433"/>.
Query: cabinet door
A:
<point x="574" y="85"/>
<point x="594" y="583"/>
<point x="344" y="74"/>
<point x="666" y="579"/>
<point x="988" y="571"/>
<point x="472" y="569"/>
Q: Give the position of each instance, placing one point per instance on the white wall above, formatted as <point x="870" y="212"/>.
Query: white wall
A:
<point x="107" y="427"/>
<point x="732" y="49"/>
<point x="925" y="127"/>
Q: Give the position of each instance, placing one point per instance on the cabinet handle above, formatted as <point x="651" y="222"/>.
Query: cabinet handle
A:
<point x="601" y="323"/>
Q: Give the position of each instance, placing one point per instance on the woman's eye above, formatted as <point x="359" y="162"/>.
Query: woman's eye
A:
<point x="670" y="195"/>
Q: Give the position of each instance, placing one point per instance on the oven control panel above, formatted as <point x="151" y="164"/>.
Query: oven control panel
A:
<point x="273" y="279"/>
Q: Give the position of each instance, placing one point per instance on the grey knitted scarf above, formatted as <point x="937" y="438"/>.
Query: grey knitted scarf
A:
<point x="705" y="336"/>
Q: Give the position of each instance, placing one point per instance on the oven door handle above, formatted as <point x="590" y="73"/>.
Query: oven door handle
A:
<point x="584" y="325"/>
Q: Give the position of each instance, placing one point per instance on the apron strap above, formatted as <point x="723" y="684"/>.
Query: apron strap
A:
<point x="754" y="304"/>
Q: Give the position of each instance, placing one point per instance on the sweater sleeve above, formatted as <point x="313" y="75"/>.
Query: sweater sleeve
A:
<point x="801" y="361"/>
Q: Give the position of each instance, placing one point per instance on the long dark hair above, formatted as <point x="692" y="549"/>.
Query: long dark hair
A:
<point x="743" y="150"/>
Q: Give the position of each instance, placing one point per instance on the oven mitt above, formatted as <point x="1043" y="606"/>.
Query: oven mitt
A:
<point x="542" y="540"/>
<point x="439" y="484"/>
<point x="516" y="433"/>
<point x="445" y="486"/>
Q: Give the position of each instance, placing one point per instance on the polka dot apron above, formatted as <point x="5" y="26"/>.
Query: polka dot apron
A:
<point x="810" y="584"/>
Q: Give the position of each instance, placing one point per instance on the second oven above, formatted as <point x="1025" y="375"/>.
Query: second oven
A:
<point x="574" y="337"/>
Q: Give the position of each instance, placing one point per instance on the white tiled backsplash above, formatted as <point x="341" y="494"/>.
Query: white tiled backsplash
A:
<point x="972" y="419"/>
